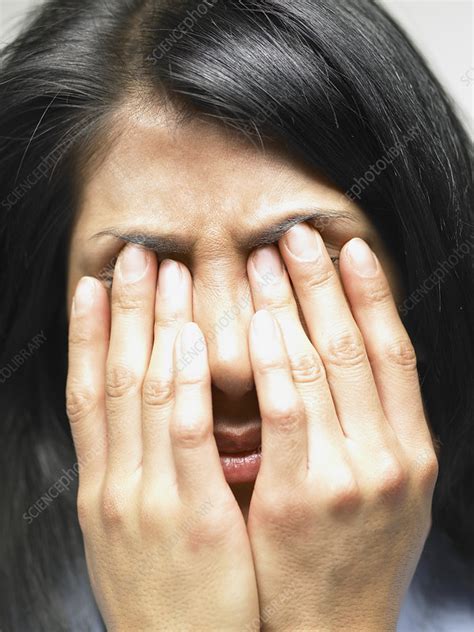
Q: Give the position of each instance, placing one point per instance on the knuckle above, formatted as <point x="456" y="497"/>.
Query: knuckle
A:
<point x="343" y="492"/>
<point x="306" y="368"/>
<point x="376" y="293"/>
<point x="193" y="381"/>
<point x="119" y="381"/>
<point x="79" y="337"/>
<point x="270" y="366"/>
<point x="392" y="479"/>
<point x="427" y="468"/>
<point x="402" y="354"/>
<point x="318" y="277"/>
<point x="170" y="320"/>
<point x="346" y="350"/>
<point x="287" y="417"/>
<point x="286" y="511"/>
<point x="190" y="435"/>
<point x="114" y="505"/>
<point x="126" y="300"/>
<point x="279" y="304"/>
<point x="80" y="401"/>
<point x="158" y="392"/>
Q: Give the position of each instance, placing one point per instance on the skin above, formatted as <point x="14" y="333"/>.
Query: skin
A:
<point x="340" y="510"/>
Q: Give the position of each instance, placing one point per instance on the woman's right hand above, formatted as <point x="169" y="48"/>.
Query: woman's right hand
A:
<point x="166" y="543"/>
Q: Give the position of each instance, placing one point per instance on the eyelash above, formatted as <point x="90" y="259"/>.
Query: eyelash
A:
<point x="106" y="276"/>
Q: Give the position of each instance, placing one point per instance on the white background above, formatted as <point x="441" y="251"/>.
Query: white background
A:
<point x="441" y="29"/>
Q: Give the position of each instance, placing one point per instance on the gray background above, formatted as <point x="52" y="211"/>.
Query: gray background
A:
<point x="442" y="30"/>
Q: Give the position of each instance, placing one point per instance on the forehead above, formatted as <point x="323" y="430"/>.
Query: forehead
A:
<point x="196" y="178"/>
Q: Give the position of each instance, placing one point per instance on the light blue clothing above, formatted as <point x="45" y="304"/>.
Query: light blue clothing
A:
<point x="441" y="594"/>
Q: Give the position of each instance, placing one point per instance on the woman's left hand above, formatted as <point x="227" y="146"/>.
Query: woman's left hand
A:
<point x="342" y="503"/>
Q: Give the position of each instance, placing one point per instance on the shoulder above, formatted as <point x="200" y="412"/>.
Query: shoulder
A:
<point x="441" y="595"/>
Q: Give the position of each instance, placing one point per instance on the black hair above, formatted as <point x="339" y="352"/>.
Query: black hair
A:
<point x="337" y="83"/>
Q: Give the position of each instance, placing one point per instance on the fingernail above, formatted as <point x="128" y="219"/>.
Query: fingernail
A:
<point x="84" y="296"/>
<point x="362" y="258"/>
<point x="133" y="263"/>
<point x="170" y="277"/>
<point x="268" y="264"/>
<point x="264" y="328"/>
<point x="303" y="243"/>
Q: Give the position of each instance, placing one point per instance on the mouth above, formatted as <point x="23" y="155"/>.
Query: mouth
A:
<point x="240" y="451"/>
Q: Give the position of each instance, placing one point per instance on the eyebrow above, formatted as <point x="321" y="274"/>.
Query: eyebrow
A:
<point x="164" y="244"/>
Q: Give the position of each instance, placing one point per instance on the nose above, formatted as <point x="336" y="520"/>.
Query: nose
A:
<point x="224" y="317"/>
<point x="229" y="362"/>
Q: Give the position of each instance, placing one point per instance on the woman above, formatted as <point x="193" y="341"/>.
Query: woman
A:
<point x="279" y="463"/>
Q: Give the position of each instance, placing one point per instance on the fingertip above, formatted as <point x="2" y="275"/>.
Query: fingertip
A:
<point x="90" y="315"/>
<point x="84" y="296"/>
<point x="361" y="258"/>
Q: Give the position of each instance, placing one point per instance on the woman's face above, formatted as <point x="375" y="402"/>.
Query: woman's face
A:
<point x="198" y="193"/>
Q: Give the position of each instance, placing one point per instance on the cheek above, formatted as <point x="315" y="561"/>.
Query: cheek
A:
<point x="74" y="272"/>
<point x="72" y="281"/>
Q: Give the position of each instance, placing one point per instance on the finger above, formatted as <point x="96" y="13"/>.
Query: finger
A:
<point x="88" y="344"/>
<point x="271" y="290"/>
<point x="172" y="310"/>
<point x="334" y="333"/>
<point x="284" y="432"/>
<point x="195" y="452"/>
<point x="133" y="300"/>
<point x="388" y="345"/>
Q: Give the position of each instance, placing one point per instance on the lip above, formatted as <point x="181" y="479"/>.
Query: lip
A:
<point x="238" y="439"/>
<point x="241" y="468"/>
<point x="239" y="451"/>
